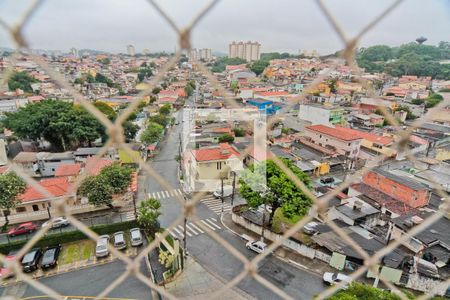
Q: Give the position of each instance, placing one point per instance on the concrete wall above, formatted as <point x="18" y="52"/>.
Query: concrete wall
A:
<point x="426" y="284"/>
<point x="299" y="248"/>
<point x="315" y="115"/>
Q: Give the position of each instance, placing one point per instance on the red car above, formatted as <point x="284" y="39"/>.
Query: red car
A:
<point x="22" y="229"/>
<point x="4" y="271"/>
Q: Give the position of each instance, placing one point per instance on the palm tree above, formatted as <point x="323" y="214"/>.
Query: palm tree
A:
<point x="148" y="213"/>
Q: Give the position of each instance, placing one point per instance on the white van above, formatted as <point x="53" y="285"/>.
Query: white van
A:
<point x="227" y="191"/>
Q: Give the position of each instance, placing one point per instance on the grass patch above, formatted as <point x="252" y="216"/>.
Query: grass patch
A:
<point x="70" y="254"/>
<point x="87" y="249"/>
<point x="280" y="222"/>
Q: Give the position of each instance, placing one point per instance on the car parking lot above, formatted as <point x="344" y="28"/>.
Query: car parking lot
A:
<point x="70" y="257"/>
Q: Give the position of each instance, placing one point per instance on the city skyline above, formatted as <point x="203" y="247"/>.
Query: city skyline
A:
<point x="295" y="29"/>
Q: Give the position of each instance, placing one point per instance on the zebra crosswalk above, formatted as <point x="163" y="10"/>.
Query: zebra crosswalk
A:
<point x="194" y="229"/>
<point x="215" y="205"/>
<point x="165" y="194"/>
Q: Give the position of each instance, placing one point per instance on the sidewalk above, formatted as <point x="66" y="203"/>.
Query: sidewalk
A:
<point x="312" y="265"/>
<point x="197" y="283"/>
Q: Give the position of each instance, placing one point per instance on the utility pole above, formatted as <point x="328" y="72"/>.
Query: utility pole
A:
<point x="234" y="187"/>
<point x="184" y="233"/>
<point x="221" y="193"/>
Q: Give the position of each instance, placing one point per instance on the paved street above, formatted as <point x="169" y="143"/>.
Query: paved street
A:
<point x="87" y="282"/>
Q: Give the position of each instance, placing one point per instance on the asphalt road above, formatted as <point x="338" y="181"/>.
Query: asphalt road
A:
<point x="87" y="282"/>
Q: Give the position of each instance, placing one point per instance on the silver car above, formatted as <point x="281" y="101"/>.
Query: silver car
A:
<point x="119" y="240"/>
<point x="58" y="222"/>
<point x="101" y="250"/>
<point x="136" y="237"/>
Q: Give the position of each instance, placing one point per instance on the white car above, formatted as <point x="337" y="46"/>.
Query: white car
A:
<point x="136" y="237"/>
<point x="58" y="222"/>
<point x="101" y="250"/>
<point x="258" y="246"/>
<point x="334" y="278"/>
<point x="310" y="228"/>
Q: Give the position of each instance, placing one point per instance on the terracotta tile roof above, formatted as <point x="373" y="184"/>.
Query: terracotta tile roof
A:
<point x="384" y="140"/>
<point x="167" y="99"/>
<point x="224" y="151"/>
<point x="4" y="169"/>
<point x="345" y="134"/>
<point x="222" y="130"/>
<point x="68" y="170"/>
<point x="55" y="186"/>
<point x="94" y="166"/>
<point x="382" y="199"/>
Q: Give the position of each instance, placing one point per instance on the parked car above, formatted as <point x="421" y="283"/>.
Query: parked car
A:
<point x="23" y="228"/>
<point x="310" y="228"/>
<point x="258" y="246"/>
<point x="58" y="222"/>
<point x="136" y="237"/>
<point x="30" y="261"/>
<point x="101" y="250"/>
<point x="333" y="278"/>
<point x="50" y="257"/>
<point x="6" y="272"/>
<point x="227" y="191"/>
<point x="119" y="240"/>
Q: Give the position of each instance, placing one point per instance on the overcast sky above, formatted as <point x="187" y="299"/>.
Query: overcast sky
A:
<point x="279" y="25"/>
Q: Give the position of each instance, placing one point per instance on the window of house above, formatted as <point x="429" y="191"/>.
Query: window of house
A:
<point x="21" y="209"/>
<point x="53" y="169"/>
<point x="349" y="144"/>
<point x="219" y="165"/>
<point x="43" y="205"/>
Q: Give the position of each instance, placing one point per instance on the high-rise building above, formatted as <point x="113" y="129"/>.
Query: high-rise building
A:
<point x="249" y="51"/>
<point x="146" y="51"/>
<point x="74" y="52"/>
<point x="130" y="50"/>
<point x="200" y="54"/>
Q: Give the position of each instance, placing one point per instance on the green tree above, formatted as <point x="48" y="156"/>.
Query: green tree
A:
<point x="239" y="132"/>
<point x="258" y="66"/>
<point x="105" y="61"/>
<point x="148" y="213"/>
<point x="152" y="133"/>
<point x="357" y="291"/>
<point x="220" y="64"/>
<point x="11" y="186"/>
<point x="156" y="90"/>
<point x="100" y="78"/>
<point x="409" y="114"/>
<point x="106" y="110"/>
<point x="117" y="176"/>
<point x="281" y="190"/>
<point x="188" y="89"/>
<point x="130" y="130"/>
<point x="165" y="109"/>
<point x="144" y="73"/>
<point x="159" y="119"/>
<point x="21" y="80"/>
<point x="433" y="100"/>
<point x="98" y="191"/>
<point x="62" y="124"/>
<point x="226" y="138"/>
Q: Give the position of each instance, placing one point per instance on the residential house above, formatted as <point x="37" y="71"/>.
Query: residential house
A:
<point x="433" y="242"/>
<point x="206" y="166"/>
<point x="27" y="161"/>
<point x="277" y="96"/>
<point x="68" y="170"/>
<point x="321" y="114"/>
<point x="354" y="211"/>
<point x="33" y="200"/>
<point x="341" y="140"/>
<point x="395" y="195"/>
<point x="48" y="162"/>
